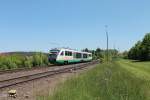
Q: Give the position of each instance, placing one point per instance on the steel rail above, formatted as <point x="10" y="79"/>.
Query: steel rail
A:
<point x="23" y="69"/>
<point x="26" y="78"/>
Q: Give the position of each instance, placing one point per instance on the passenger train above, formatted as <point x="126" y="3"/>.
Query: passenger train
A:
<point x="66" y="56"/>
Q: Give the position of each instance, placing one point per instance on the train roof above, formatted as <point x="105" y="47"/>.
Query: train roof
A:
<point x="68" y="49"/>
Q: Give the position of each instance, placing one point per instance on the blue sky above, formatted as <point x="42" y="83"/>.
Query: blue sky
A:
<point x="38" y="25"/>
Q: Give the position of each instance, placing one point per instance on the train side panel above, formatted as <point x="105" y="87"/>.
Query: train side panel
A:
<point x="66" y="56"/>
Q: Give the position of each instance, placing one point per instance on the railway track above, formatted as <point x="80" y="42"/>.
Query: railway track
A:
<point x="26" y="78"/>
<point x="22" y="69"/>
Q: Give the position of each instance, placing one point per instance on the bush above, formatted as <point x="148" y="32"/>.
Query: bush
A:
<point x="18" y="60"/>
<point x="40" y="59"/>
<point x="2" y="66"/>
<point x="9" y="63"/>
<point x="14" y="61"/>
<point x="28" y="62"/>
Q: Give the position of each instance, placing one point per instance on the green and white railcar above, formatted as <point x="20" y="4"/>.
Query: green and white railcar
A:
<point x="65" y="56"/>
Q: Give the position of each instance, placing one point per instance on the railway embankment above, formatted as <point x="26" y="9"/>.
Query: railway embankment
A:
<point x="30" y="89"/>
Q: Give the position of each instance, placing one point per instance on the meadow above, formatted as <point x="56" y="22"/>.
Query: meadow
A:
<point x="116" y="80"/>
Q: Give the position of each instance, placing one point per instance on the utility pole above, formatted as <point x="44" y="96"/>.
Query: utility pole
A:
<point x="107" y="41"/>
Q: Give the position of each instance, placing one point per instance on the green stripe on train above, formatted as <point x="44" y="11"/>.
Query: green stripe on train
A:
<point x="72" y="61"/>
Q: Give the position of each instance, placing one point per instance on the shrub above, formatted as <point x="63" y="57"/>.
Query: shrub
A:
<point x="40" y="59"/>
<point x="14" y="61"/>
<point x="28" y="62"/>
<point x="37" y="59"/>
<point x="9" y="63"/>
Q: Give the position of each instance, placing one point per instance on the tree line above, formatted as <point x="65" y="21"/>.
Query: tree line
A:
<point x="101" y="54"/>
<point x="141" y="50"/>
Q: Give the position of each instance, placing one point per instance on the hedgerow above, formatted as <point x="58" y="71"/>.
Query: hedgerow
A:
<point x="15" y="61"/>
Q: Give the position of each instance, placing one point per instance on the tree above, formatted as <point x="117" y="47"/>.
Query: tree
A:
<point x="141" y="50"/>
<point x="86" y="50"/>
<point x="146" y="47"/>
<point x="28" y="62"/>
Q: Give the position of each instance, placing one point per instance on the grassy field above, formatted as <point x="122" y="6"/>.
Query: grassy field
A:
<point x="118" y="80"/>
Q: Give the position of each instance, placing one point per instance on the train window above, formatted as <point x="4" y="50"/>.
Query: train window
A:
<point x="90" y="55"/>
<point x="54" y="51"/>
<point x="62" y="53"/>
<point x="78" y="55"/>
<point x="66" y="53"/>
<point x="84" y="55"/>
<point x="70" y="53"/>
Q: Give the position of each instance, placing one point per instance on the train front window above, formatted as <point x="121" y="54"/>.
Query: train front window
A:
<point x="54" y="53"/>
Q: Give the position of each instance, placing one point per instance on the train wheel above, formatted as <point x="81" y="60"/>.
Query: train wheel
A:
<point x="65" y="62"/>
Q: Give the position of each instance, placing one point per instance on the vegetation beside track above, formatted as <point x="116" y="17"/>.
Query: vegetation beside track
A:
<point x="19" y="60"/>
<point x="117" y="80"/>
<point x="141" y="50"/>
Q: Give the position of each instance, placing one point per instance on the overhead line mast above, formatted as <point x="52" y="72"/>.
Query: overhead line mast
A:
<point x="107" y="41"/>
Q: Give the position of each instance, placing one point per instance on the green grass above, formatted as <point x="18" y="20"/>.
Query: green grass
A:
<point x="118" y="80"/>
